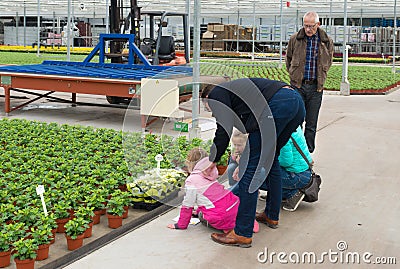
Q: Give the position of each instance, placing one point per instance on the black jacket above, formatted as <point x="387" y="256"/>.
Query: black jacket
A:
<point x="238" y="103"/>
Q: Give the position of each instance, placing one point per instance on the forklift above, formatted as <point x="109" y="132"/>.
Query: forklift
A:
<point x="159" y="49"/>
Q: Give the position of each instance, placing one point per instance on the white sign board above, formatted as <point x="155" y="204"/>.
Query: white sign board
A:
<point x="160" y="97"/>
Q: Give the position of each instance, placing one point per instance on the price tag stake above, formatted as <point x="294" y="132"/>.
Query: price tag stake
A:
<point x="40" y="192"/>
<point x="158" y="159"/>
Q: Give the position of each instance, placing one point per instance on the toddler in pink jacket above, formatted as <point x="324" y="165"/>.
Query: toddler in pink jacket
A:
<point x="216" y="205"/>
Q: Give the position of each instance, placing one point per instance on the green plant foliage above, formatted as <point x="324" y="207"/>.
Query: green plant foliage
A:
<point x="75" y="227"/>
<point x="5" y="241"/>
<point x="85" y="212"/>
<point x="41" y="233"/>
<point x="7" y="57"/>
<point x="360" y="77"/>
<point x="25" y="249"/>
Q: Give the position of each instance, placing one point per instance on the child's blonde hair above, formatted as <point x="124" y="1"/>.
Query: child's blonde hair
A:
<point x="239" y="135"/>
<point x="195" y="155"/>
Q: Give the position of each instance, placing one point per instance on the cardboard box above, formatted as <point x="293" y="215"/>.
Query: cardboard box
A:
<point x="219" y="28"/>
<point x="207" y="44"/>
<point x="208" y="35"/>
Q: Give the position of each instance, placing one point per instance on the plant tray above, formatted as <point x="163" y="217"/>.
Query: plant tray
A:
<point x="152" y="206"/>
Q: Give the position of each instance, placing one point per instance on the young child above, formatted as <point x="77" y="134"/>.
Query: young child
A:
<point x="216" y="205"/>
<point x="239" y="142"/>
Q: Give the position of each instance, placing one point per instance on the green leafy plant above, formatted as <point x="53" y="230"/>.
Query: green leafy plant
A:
<point x="61" y="208"/>
<point x="5" y="241"/>
<point x="75" y="227"/>
<point x="27" y="215"/>
<point x="124" y="195"/>
<point x="224" y="158"/>
<point x="49" y="220"/>
<point x="96" y="200"/>
<point x="16" y="230"/>
<point x="115" y="205"/>
<point x="41" y="233"/>
<point x="85" y="212"/>
<point x="25" y="249"/>
<point x="7" y="211"/>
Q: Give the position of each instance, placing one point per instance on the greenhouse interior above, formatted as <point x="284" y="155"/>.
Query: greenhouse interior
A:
<point x="368" y="27"/>
<point x="101" y="108"/>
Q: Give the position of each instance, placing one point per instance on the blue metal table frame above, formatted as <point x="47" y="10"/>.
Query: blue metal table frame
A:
<point x="108" y="79"/>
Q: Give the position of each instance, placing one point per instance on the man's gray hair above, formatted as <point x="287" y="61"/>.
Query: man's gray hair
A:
<point x="312" y="14"/>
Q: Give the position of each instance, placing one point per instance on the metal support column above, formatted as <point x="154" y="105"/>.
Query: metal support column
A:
<point x="38" y="29"/>
<point x="394" y="38"/>
<point x="281" y="36"/>
<point x="254" y="30"/>
<point x="345" y="85"/>
<point x="195" y="131"/>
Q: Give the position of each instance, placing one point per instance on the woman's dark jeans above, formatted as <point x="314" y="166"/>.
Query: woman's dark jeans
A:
<point x="288" y="112"/>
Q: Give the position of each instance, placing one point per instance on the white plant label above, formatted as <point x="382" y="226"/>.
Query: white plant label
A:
<point x="40" y="192"/>
<point x="40" y="189"/>
<point x="158" y="159"/>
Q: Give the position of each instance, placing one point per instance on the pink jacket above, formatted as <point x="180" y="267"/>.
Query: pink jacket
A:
<point x="218" y="205"/>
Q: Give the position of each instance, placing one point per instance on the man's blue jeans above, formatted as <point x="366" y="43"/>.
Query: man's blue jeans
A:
<point x="312" y="101"/>
<point x="288" y="112"/>
<point x="292" y="182"/>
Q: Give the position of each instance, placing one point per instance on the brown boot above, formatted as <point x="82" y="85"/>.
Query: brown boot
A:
<point x="262" y="217"/>
<point x="232" y="239"/>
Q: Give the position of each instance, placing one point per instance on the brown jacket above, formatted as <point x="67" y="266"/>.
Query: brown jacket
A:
<point x="296" y="57"/>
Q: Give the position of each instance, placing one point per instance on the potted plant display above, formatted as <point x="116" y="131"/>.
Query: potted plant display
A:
<point x="74" y="232"/>
<point x="25" y="253"/>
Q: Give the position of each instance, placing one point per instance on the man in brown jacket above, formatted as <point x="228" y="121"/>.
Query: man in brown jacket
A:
<point x="309" y="56"/>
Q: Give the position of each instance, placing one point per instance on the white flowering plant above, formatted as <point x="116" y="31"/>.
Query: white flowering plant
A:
<point x="156" y="185"/>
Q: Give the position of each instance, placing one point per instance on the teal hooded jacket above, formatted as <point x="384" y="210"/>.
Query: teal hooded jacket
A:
<point x="290" y="159"/>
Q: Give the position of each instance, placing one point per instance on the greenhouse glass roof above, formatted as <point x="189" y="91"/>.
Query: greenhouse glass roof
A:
<point x="211" y="8"/>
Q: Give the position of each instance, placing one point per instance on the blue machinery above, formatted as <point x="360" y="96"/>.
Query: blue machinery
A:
<point x="109" y="79"/>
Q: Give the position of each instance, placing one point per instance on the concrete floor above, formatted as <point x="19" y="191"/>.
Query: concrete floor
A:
<point x="357" y="155"/>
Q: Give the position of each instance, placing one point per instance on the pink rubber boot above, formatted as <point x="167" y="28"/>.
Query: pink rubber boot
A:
<point x="256" y="227"/>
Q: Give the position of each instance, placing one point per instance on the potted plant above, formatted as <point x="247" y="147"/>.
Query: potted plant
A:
<point x="74" y="232"/>
<point x="27" y="215"/>
<point x="87" y="213"/>
<point x="126" y="199"/>
<point x="60" y="210"/>
<point x="25" y="253"/>
<point x="50" y="221"/>
<point x="42" y="236"/>
<point x="136" y="192"/>
<point x="222" y="164"/>
<point x="16" y="231"/>
<point x="5" y="248"/>
<point x="97" y="201"/>
<point x="115" y="211"/>
<point x="7" y="212"/>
